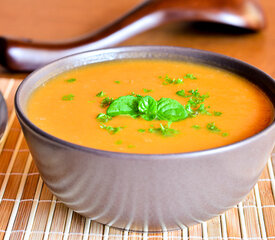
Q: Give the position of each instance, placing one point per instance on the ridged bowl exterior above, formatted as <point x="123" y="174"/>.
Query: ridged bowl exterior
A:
<point x="147" y="192"/>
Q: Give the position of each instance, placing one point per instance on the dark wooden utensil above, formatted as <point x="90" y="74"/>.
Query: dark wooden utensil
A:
<point x="26" y="55"/>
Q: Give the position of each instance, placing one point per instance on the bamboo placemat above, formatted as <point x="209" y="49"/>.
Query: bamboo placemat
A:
<point x="29" y="211"/>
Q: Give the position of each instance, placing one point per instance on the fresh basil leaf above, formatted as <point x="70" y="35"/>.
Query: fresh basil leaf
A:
<point x="148" y="107"/>
<point x="170" y="110"/>
<point x="125" y="105"/>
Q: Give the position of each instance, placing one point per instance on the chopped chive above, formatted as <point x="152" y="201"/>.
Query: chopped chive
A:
<point x="141" y="130"/>
<point x="196" y="127"/>
<point x="68" y="97"/>
<point x="106" y="102"/>
<point x="147" y="90"/>
<point x="111" y="130"/>
<point x="119" y="142"/>
<point x="190" y="76"/>
<point x="224" y="134"/>
<point x="212" y="127"/>
<point x="102" y="117"/>
<point x="217" y="113"/>
<point x="118" y="82"/>
<point x="100" y="94"/>
<point x="70" y="80"/>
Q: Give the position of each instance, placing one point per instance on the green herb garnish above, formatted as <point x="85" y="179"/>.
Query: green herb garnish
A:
<point x="125" y="105"/>
<point x="142" y="130"/>
<point x="118" y="82"/>
<point x="68" y="97"/>
<point x="224" y="134"/>
<point x="212" y="127"/>
<point x="168" y="80"/>
<point x="106" y="102"/>
<point x="100" y="94"/>
<point x="119" y="142"/>
<point x="111" y="130"/>
<point x="70" y="80"/>
<point x="147" y="106"/>
<point x="131" y="146"/>
<point x="170" y="110"/>
<point x="164" y="130"/>
<point x="196" y="127"/>
<point x="147" y="90"/>
<point x="203" y="110"/>
<point x="190" y="76"/>
<point x="102" y="117"/>
<point x="217" y="113"/>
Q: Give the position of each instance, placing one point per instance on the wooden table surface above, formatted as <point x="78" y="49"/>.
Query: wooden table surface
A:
<point x="53" y="20"/>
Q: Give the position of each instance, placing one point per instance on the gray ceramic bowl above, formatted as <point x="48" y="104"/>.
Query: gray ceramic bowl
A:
<point x="147" y="192"/>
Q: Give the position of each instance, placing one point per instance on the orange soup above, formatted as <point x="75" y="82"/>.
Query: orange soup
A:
<point x="150" y="107"/>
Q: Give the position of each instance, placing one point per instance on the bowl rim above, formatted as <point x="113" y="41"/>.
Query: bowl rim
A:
<point x="123" y="155"/>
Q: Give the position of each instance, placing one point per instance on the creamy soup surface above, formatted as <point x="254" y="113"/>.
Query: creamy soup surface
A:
<point x="215" y="107"/>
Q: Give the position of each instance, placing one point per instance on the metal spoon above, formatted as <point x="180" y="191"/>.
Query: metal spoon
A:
<point x="26" y="55"/>
<point x="3" y="115"/>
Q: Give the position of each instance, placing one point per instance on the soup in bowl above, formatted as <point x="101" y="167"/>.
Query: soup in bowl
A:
<point x="148" y="138"/>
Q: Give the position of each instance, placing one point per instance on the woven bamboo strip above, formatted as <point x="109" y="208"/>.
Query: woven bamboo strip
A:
<point x="233" y="224"/>
<point x="268" y="203"/>
<point x="86" y="229"/>
<point x="223" y="227"/>
<point x="260" y="212"/>
<point x="77" y="227"/>
<point x="271" y="175"/>
<point x="184" y="233"/>
<point x="58" y="222"/>
<point x="214" y="228"/>
<point x="50" y="218"/>
<point x="106" y="232"/>
<point x="25" y="202"/>
<point x="195" y="232"/>
<point x="41" y="216"/>
<point x="96" y="231"/>
<point x="7" y="130"/>
<point x="251" y="216"/>
<point x="155" y="236"/>
<point x="10" y="166"/>
<point x="34" y="209"/>
<point x="16" y="204"/>
<point x="177" y="235"/>
<point x="68" y="224"/>
<point x="136" y="236"/>
<point x="204" y="231"/>
<point x="242" y="221"/>
<point x="25" y="205"/>
<point x="115" y="234"/>
<point x="11" y="185"/>
<point x="125" y="235"/>
<point x="8" y="143"/>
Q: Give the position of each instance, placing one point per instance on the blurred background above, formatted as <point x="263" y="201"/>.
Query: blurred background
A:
<point x="54" y="20"/>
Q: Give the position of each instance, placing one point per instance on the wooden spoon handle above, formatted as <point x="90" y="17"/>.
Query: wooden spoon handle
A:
<point x="25" y="55"/>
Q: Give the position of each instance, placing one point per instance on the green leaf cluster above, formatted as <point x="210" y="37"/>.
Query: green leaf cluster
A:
<point x="148" y="108"/>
